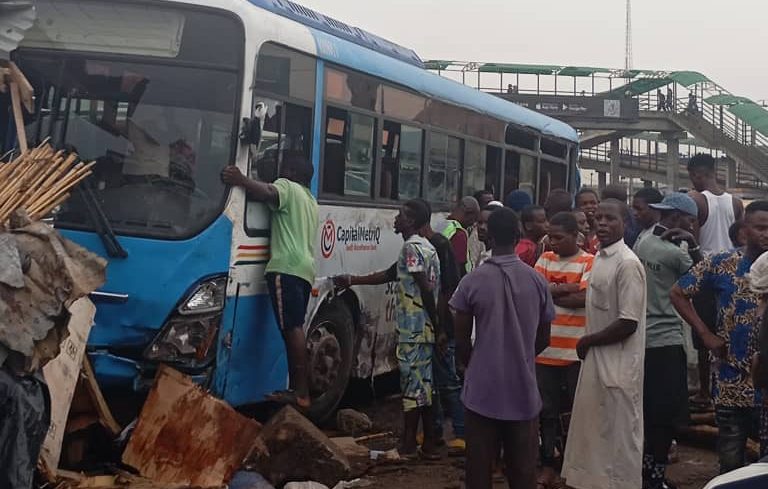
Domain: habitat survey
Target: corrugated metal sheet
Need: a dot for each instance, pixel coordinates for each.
(16, 17)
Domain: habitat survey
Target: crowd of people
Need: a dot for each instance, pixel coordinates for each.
(563, 326)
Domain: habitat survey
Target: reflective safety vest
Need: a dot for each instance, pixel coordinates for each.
(452, 227)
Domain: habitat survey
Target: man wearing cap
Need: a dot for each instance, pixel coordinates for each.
(668, 251)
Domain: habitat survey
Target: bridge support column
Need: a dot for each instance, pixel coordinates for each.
(730, 174)
(615, 160)
(673, 164)
(601, 181)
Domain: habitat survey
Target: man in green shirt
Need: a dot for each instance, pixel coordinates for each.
(291, 268)
(665, 403)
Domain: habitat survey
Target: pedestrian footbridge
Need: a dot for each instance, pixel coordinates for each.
(637, 126)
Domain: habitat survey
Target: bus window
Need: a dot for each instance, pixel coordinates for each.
(285, 73)
(521, 139)
(400, 161)
(287, 129)
(552, 176)
(474, 168)
(445, 155)
(292, 132)
(403, 105)
(519, 173)
(553, 148)
(349, 153)
(353, 89)
(492, 169)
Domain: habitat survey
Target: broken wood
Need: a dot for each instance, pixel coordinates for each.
(102, 409)
(377, 436)
(18, 117)
(186, 436)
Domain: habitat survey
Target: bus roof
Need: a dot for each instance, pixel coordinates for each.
(354, 48)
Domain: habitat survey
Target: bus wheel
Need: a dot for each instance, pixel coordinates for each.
(330, 346)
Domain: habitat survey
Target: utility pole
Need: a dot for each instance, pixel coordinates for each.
(628, 46)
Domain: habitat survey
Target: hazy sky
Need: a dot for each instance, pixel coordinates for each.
(726, 40)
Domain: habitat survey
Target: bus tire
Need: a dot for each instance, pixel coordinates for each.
(330, 351)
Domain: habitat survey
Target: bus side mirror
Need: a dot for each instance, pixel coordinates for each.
(250, 132)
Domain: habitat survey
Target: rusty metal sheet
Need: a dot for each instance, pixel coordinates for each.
(186, 436)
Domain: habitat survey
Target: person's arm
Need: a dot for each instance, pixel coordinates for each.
(428, 300)
(543, 336)
(701, 204)
(375, 278)
(618, 331)
(738, 208)
(258, 191)
(685, 309)
(678, 235)
(572, 300)
(546, 315)
(462, 324)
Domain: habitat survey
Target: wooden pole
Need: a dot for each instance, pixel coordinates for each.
(18, 117)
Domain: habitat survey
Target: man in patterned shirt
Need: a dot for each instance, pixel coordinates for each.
(735, 340)
(417, 273)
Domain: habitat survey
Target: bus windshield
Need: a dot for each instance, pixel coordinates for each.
(160, 127)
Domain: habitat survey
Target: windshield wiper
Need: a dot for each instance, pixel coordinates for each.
(100, 222)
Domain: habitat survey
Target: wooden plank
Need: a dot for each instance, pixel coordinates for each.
(102, 408)
(62, 374)
(186, 436)
(18, 117)
(26, 91)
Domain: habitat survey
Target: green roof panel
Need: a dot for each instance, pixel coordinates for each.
(753, 114)
(521, 69)
(582, 71)
(637, 87)
(688, 78)
(437, 64)
(727, 99)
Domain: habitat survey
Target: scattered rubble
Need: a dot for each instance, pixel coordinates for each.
(358, 455)
(289, 437)
(353, 423)
(186, 436)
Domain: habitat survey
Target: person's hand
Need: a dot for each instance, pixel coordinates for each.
(715, 344)
(231, 175)
(582, 347)
(342, 281)
(678, 235)
(442, 343)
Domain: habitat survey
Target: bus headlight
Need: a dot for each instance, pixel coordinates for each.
(207, 297)
(188, 339)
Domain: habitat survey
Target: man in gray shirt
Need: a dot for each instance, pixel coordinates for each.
(665, 401)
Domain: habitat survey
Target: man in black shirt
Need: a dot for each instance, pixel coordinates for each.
(446, 379)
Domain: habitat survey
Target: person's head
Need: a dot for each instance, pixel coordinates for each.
(534, 221)
(297, 168)
(701, 171)
(609, 221)
(503, 229)
(482, 222)
(738, 234)
(756, 222)
(517, 200)
(677, 211)
(641, 206)
(564, 234)
(413, 216)
(466, 211)
(615, 191)
(483, 198)
(581, 220)
(426, 229)
(558, 200)
(587, 201)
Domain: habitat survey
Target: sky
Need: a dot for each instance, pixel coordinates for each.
(725, 40)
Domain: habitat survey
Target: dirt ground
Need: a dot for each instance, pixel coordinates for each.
(692, 470)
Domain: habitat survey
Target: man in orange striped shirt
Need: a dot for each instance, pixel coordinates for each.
(567, 270)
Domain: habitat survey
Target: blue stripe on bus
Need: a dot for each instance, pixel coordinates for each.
(345, 53)
(255, 364)
(317, 139)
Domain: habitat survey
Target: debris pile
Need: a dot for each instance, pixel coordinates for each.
(39, 180)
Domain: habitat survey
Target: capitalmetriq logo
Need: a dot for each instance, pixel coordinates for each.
(328, 239)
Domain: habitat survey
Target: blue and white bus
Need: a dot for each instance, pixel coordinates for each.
(164, 94)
